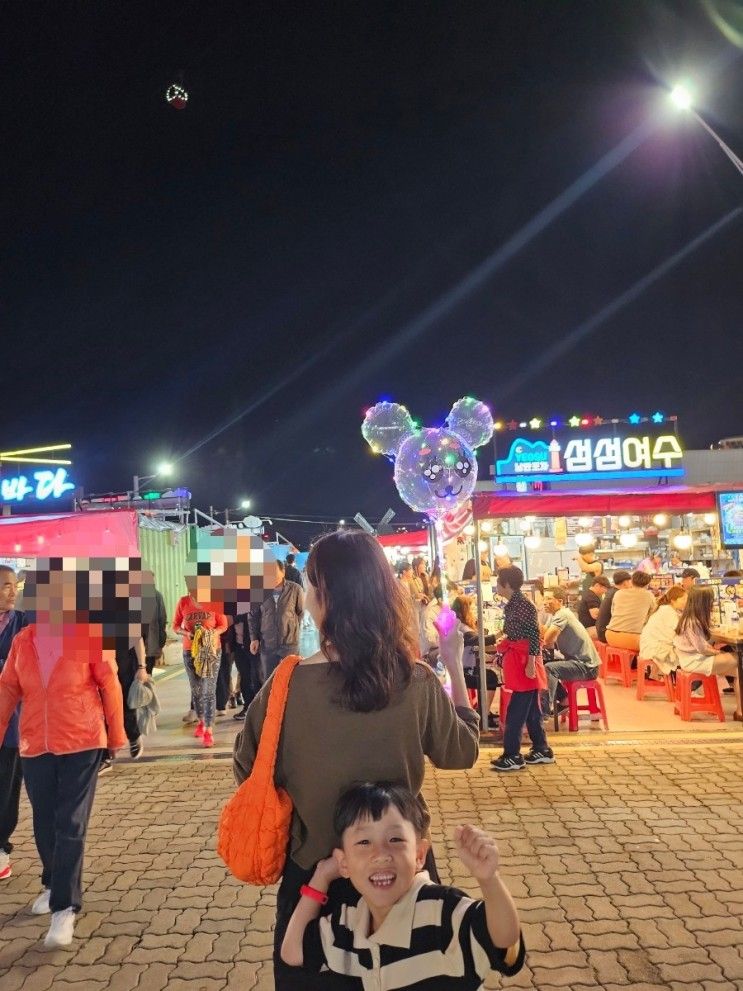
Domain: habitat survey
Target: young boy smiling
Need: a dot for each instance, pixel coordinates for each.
(395, 928)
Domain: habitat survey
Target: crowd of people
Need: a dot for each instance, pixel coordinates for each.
(360, 885)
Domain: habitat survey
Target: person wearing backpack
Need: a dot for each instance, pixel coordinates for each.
(361, 708)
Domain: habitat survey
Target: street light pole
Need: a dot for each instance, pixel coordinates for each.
(726, 148)
(682, 98)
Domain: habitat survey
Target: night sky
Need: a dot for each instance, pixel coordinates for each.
(294, 243)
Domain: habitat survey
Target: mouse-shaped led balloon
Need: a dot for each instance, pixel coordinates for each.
(435, 467)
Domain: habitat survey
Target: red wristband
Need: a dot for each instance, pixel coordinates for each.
(314, 894)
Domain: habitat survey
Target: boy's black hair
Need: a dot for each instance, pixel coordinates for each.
(370, 800)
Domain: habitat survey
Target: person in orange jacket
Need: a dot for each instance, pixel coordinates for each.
(71, 715)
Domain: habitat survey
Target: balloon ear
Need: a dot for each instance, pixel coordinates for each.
(472, 421)
(386, 426)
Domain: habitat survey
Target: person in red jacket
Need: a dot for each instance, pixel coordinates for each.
(190, 616)
(523, 674)
(71, 714)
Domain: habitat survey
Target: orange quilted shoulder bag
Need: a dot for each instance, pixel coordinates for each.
(255, 823)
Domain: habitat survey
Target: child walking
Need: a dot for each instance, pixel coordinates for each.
(392, 927)
(523, 675)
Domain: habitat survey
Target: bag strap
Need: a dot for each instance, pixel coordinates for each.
(268, 744)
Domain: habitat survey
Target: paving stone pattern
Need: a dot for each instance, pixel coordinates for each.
(626, 862)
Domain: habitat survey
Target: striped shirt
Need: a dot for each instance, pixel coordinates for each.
(434, 938)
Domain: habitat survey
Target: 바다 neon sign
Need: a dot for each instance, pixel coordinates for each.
(43, 485)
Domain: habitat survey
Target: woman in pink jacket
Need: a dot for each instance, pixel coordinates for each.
(71, 715)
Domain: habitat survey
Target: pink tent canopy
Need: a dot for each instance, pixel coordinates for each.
(101, 534)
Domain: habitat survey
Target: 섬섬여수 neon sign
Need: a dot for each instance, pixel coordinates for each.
(588, 458)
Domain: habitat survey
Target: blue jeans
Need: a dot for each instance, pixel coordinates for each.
(203, 691)
(523, 710)
(567, 670)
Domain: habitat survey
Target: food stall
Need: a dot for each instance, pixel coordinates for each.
(622, 487)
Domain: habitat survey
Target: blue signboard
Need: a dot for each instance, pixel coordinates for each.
(590, 456)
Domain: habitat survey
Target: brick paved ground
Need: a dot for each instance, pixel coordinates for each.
(626, 861)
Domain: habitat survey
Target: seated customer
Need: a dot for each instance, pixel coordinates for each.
(656, 639)
(464, 610)
(621, 579)
(689, 578)
(692, 645)
(590, 603)
(580, 660)
(630, 609)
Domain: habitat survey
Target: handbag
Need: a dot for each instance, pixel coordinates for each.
(255, 823)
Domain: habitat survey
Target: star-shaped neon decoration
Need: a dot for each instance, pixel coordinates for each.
(658, 418)
(512, 425)
(634, 418)
(574, 421)
(535, 424)
(597, 421)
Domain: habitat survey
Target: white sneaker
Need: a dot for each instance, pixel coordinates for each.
(62, 929)
(190, 717)
(41, 905)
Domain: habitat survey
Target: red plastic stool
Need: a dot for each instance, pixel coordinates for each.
(595, 699)
(710, 701)
(648, 686)
(618, 664)
(600, 650)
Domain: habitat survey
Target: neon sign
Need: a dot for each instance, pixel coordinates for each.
(45, 484)
(587, 458)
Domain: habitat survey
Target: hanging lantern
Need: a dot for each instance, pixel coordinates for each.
(628, 539)
(532, 541)
(682, 541)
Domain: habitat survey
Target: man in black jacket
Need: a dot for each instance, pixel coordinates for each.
(274, 624)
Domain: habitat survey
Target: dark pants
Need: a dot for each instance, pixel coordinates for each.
(223, 681)
(61, 790)
(523, 710)
(270, 659)
(151, 662)
(10, 794)
(250, 677)
(126, 668)
(294, 978)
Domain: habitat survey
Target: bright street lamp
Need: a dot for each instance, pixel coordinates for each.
(245, 504)
(682, 98)
(164, 468)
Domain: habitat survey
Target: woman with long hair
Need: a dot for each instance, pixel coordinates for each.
(692, 645)
(656, 638)
(463, 607)
(360, 709)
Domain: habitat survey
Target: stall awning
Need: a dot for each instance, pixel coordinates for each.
(102, 534)
(418, 538)
(667, 499)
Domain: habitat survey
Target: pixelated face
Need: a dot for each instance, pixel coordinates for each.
(107, 595)
(233, 570)
(435, 471)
